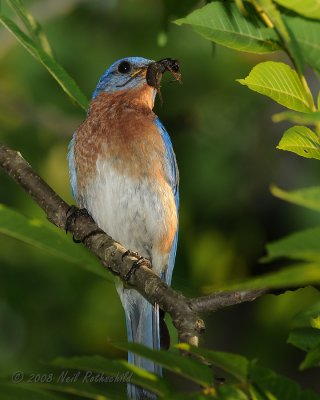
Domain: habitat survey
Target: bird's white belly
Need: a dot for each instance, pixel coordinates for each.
(131, 211)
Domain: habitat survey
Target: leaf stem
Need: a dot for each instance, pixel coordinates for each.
(284, 44)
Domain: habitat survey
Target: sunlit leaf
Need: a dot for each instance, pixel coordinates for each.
(280, 82)
(302, 141)
(41, 235)
(298, 117)
(55, 69)
(174, 362)
(223, 23)
(308, 8)
(307, 197)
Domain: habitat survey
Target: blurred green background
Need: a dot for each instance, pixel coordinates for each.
(225, 145)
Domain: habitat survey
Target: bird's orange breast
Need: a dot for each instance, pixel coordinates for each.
(120, 127)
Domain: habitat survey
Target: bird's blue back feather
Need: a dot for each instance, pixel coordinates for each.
(72, 167)
(174, 181)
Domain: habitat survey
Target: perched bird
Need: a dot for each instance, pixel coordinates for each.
(123, 171)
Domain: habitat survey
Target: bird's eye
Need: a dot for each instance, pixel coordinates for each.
(124, 67)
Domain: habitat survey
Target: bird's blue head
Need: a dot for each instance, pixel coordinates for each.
(132, 72)
(126, 73)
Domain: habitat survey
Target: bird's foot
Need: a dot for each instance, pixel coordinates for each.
(130, 253)
(72, 214)
(140, 261)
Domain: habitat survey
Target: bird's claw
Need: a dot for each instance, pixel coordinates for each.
(140, 261)
(130, 253)
(72, 214)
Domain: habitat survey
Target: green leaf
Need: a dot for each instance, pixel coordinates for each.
(302, 245)
(276, 387)
(55, 69)
(191, 369)
(275, 17)
(308, 8)
(297, 276)
(16, 391)
(306, 332)
(298, 117)
(309, 395)
(306, 33)
(308, 317)
(68, 382)
(281, 83)
(33, 26)
(272, 385)
(234, 364)
(208, 395)
(302, 141)
(262, 383)
(289, 44)
(80, 391)
(231, 392)
(241, 7)
(304, 338)
(312, 359)
(224, 24)
(307, 197)
(138, 376)
(42, 236)
(306, 335)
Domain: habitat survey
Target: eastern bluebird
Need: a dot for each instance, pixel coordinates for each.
(123, 171)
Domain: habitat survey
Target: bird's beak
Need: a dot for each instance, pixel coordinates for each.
(139, 72)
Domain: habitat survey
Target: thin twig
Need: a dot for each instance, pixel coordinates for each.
(218, 300)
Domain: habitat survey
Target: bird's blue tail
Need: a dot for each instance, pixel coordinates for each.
(142, 321)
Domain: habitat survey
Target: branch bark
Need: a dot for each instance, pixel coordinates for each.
(183, 311)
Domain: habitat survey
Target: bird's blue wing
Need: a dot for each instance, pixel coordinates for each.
(72, 167)
(172, 173)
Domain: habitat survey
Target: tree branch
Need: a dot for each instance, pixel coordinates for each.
(183, 311)
(218, 300)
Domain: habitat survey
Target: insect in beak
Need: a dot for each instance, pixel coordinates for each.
(156, 69)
